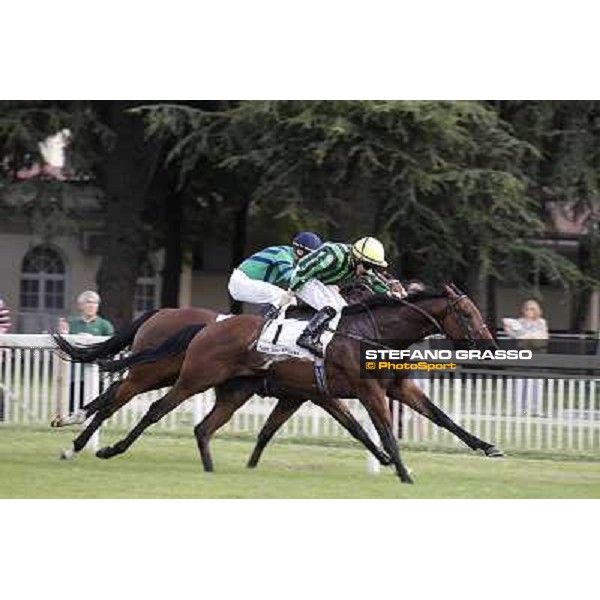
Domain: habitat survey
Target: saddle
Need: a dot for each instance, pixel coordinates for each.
(278, 336)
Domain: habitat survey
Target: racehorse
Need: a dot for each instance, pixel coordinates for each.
(223, 352)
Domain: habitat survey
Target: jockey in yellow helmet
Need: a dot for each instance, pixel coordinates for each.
(318, 276)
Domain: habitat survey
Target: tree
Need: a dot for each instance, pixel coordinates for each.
(125, 173)
(444, 184)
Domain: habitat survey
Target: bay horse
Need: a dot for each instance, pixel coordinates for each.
(224, 351)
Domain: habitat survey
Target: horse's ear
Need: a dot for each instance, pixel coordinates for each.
(456, 289)
(450, 290)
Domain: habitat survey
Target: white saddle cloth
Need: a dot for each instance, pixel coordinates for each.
(279, 337)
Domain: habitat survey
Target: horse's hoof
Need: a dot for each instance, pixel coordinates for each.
(105, 452)
(56, 422)
(493, 452)
(67, 454)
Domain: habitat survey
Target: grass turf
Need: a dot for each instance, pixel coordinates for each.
(166, 465)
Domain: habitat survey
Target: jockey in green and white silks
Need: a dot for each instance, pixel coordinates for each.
(317, 278)
(263, 277)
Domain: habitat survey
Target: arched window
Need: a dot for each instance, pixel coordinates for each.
(146, 290)
(43, 287)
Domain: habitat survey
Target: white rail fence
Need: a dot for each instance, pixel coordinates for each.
(535, 414)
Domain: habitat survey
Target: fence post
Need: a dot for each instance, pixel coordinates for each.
(63, 384)
(91, 390)
(373, 465)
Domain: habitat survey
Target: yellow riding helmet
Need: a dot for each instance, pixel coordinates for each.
(370, 250)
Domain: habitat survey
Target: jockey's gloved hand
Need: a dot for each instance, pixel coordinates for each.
(397, 288)
(398, 295)
(288, 297)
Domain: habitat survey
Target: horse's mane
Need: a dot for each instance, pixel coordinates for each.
(380, 300)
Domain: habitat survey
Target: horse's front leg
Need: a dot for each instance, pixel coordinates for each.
(373, 398)
(283, 411)
(229, 397)
(346, 419)
(408, 392)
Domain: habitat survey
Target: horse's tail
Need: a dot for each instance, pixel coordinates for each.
(92, 352)
(170, 347)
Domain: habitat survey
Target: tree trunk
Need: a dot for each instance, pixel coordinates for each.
(125, 176)
(171, 275)
(238, 244)
(491, 314)
(582, 295)
(476, 286)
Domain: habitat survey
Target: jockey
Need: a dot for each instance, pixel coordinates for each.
(316, 278)
(263, 277)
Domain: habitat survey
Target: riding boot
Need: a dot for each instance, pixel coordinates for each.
(269, 311)
(309, 338)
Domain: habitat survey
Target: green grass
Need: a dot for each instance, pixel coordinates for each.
(166, 465)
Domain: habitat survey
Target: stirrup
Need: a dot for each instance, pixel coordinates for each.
(269, 311)
(308, 343)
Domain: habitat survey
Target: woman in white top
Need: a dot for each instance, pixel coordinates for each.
(531, 330)
(530, 326)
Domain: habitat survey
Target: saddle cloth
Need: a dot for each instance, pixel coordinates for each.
(279, 337)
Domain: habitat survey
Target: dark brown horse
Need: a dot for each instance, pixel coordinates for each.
(223, 352)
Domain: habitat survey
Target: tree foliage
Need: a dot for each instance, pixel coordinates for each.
(455, 189)
(446, 185)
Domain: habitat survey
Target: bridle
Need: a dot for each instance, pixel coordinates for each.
(464, 325)
(452, 309)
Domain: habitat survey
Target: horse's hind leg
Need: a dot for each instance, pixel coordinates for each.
(83, 438)
(157, 411)
(407, 392)
(284, 409)
(119, 396)
(229, 397)
(85, 412)
(139, 379)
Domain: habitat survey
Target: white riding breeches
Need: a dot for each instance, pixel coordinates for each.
(246, 289)
(318, 295)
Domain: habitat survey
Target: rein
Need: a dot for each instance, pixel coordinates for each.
(450, 310)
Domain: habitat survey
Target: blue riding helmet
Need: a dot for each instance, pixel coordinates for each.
(307, 240)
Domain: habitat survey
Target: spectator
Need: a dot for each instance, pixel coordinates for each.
(87, 323)
(531, 331)
(5, 322)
